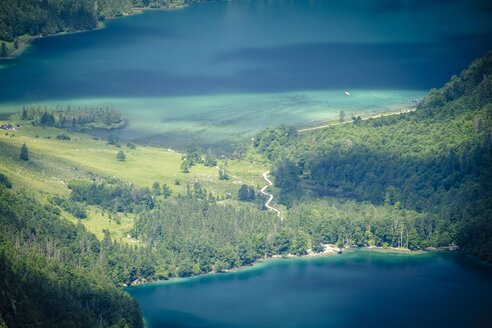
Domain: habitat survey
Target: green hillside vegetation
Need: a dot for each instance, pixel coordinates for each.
(91, 220)
(20, 17)
(55, 162)
(21, 20)
(435, 161)
(52, 272)
(77, 119)
(180, 223)
(70, 185)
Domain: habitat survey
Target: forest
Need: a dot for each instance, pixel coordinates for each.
(435, 161)
(20, 18)
(53, 272)
(196, 233)
(414, 181)
(73, 118)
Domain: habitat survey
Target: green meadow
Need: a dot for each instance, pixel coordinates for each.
(54, 163)
(220, 121)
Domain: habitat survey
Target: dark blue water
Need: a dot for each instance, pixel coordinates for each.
(226, 69)
(359, 288)
(258, 46)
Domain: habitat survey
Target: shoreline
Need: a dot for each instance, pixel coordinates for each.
(100, 25)
(365, 118)
(329, 251)
(140, 10)
(26, 44)
(244, 267)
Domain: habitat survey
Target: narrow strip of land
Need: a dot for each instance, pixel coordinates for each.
(270, 196)
(363, 119)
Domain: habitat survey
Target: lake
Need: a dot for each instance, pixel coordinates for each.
(361, 287)
(217, 72)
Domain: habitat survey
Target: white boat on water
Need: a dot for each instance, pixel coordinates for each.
(347, 93)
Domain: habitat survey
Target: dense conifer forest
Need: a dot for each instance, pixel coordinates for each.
(436, 162)
(75, 119)
(21, 18)
(415, 181)
(52, 272)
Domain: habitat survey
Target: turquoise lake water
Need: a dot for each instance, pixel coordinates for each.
(360, 288)
(215, 73)
(218, 72)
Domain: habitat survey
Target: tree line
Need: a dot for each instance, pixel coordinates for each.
(96, 117)
(20, 17)
(53, 273)
(31, 17)
(417, 180)
(436, 160)
(196, 233)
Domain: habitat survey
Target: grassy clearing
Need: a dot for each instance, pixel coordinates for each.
(97, 221)
(23, 41)
(53, 163)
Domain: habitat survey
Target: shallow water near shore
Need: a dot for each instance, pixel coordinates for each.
(222, 120)
(217, 72)
(372, 288)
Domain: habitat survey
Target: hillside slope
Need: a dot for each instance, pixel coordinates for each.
(52, 272)
(20, 20)
(436, 161)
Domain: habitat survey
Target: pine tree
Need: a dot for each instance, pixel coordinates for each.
(121, 156)
(210, 159)
(193, 154)
(166, 191)
(24, 113)
(24, 153)
(156, 189)
(44, 119)
(185, 167)
(243, 193)
(223, 175)
(3, 50)
(63, 121)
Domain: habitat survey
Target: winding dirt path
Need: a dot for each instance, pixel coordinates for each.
(270, 196)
